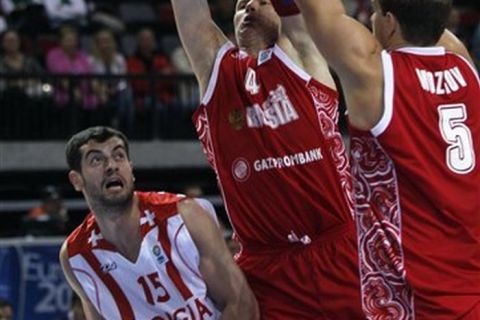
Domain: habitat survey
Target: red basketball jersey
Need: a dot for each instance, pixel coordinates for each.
(417, 189)
(270, 132)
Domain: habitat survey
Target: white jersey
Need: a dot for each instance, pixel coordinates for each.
(164, 283)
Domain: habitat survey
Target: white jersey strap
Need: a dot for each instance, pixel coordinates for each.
(388, 82)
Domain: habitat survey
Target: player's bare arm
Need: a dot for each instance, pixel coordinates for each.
(453, 44)
(200, 36)
(353, 52)
(226, 284)
(306, 53)
(90, 311)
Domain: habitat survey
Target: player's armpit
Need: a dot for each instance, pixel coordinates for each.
(226, 283)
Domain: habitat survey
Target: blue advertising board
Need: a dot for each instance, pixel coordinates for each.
(32, 279)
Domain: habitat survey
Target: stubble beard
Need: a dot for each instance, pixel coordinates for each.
(111, 206)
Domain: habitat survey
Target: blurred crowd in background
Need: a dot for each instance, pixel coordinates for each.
(133, 49)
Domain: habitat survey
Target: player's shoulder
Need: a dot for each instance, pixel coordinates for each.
(161, 204)
(77, 241)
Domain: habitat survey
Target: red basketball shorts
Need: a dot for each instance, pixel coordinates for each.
(315, 281)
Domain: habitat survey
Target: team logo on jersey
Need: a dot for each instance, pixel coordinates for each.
(251, 83)
(159, 255)
(241, 169)
(236, 118)
(264, 56)
(109, 266)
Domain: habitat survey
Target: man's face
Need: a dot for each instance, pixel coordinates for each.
(6, 313)
(11, 42)
(106, 176)
(255, 18)
(146, 41)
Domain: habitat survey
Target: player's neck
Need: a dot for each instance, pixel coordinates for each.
(254, 47)
(123, 230)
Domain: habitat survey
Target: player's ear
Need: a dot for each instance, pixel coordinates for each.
(392, 24)
(76, 180)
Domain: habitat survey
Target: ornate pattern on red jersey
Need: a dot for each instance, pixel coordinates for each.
(327, 110)
(163, 283)
(203, 129)
(385, 291)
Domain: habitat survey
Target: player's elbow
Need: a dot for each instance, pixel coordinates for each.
(244, 306)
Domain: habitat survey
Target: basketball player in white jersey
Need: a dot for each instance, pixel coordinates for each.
(145, 255)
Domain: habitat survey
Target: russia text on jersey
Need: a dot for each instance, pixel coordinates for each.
(276, 111)
(194, 309)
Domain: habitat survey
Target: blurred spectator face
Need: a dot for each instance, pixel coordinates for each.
(11, 42)
(105, 42)
(146, 41)
(69, 41)
(6, 313)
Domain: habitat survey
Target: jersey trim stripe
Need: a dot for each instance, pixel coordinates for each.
(216, 68)
(88, 275)
(389, 82)
(172, 271)
(423, 51)
(290, 64)
(123, 305)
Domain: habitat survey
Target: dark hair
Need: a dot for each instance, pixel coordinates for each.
(98, 134)
(422, 21)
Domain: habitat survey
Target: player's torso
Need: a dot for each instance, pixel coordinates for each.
(163, 283)
(421, 174)
(436, 119)
(276, 150)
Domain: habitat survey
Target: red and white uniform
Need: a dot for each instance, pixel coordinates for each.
(269, 131)
(417, 190)
(164, 282)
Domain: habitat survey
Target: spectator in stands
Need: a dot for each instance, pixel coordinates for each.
(149, 60)
(6, 310)
(66, 11)
(68, 59)
(27, 16)
(151, 95)
(49, 217)
(115, 94)
(13, 60)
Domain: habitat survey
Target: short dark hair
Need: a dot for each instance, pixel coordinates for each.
(422, 21)
(98, 134)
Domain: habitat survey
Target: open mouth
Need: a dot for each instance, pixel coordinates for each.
(114, 184)
(248, 21)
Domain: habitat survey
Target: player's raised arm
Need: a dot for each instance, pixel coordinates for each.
(90, 311)
(353, 52)
(343, 41)
(200, 36)
(306, 53)
(226, 284)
